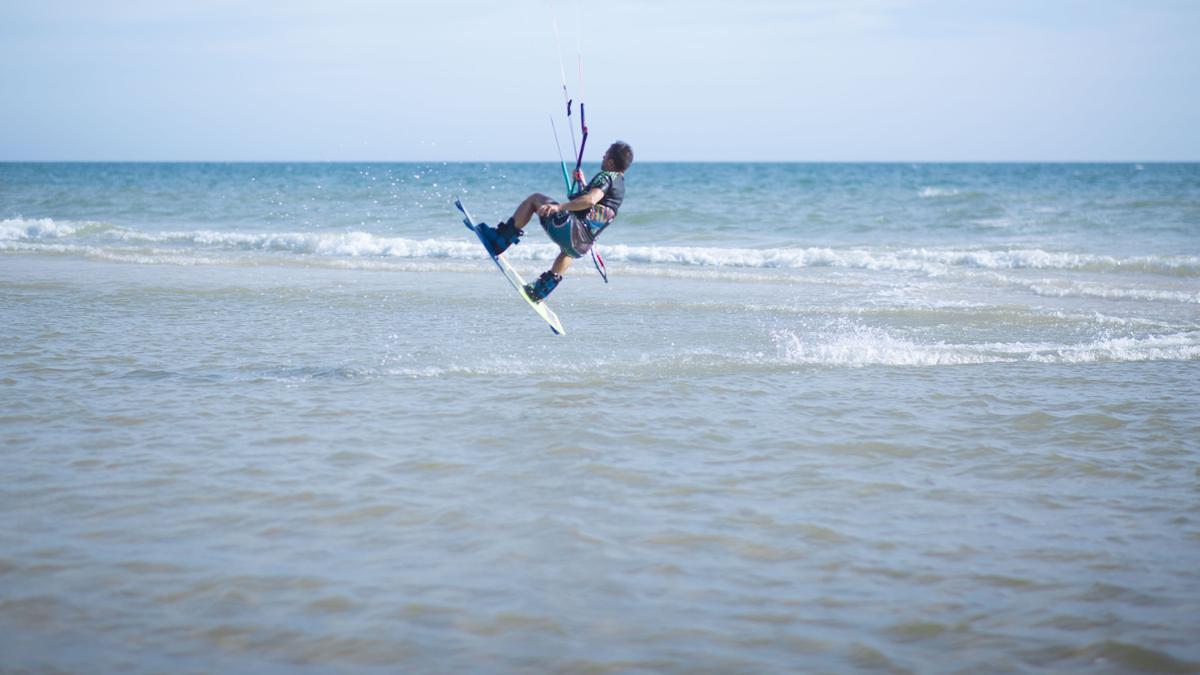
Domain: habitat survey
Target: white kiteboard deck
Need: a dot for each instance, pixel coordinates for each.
(511, 274)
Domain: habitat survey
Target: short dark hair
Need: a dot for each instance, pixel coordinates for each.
(621, 154)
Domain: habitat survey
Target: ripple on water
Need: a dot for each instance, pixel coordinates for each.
(505, 623)
(1111, 655)
(289, 439)
(915, 631)
(1004, 581)
(1095, 422)
(869, 658)
(1105, 593)
(361, 514)
(334, 604)
(353, 457)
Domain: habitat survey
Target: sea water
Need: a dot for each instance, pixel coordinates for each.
(843, 417)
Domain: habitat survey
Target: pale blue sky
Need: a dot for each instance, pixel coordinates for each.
(807, 80)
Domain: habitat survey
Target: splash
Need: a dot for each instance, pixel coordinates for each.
(846, 343)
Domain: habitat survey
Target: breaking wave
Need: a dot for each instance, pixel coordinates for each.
(858, 345)
(92, 238)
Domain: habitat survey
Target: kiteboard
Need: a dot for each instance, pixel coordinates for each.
(511, 274)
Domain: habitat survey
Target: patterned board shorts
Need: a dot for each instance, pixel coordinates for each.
(570, 233)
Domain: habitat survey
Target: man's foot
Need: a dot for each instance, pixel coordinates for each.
(546, 283)
(498, 239)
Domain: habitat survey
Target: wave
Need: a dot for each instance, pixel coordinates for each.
(931, 192)
(849, 347)
(30, 235)
(94, 238)
(904, 260)
(185, 258)
(44, 229)
(1067, 288)
(858, 345)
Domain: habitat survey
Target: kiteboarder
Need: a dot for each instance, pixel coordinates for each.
(574, 225)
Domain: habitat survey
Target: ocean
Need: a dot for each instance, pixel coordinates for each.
(288, 418)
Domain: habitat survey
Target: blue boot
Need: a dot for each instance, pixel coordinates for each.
(546, 283)
(499, 239)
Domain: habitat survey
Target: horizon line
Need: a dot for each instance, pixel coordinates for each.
(641, 162)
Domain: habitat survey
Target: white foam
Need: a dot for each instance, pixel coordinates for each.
(38, 229)
(135, 256)
(904, 260)
(185, 257)
(1175, 347)
(1054, 288)
(932, 262)
(931, 192)
(1098, 318)
(857, 345)
(995, 223)
(340, 244)
(863, 346)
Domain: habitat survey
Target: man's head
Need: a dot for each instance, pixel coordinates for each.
(618, 156)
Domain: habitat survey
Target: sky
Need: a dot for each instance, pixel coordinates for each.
(703, 80)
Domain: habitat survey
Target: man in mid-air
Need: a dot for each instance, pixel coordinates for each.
(575, 225)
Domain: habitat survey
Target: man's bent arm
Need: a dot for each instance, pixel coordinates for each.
(584, 201)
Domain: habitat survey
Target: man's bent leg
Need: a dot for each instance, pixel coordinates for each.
(528, 208)
(505, 234)
(561, 263)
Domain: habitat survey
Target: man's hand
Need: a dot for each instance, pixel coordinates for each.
(547, 210)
